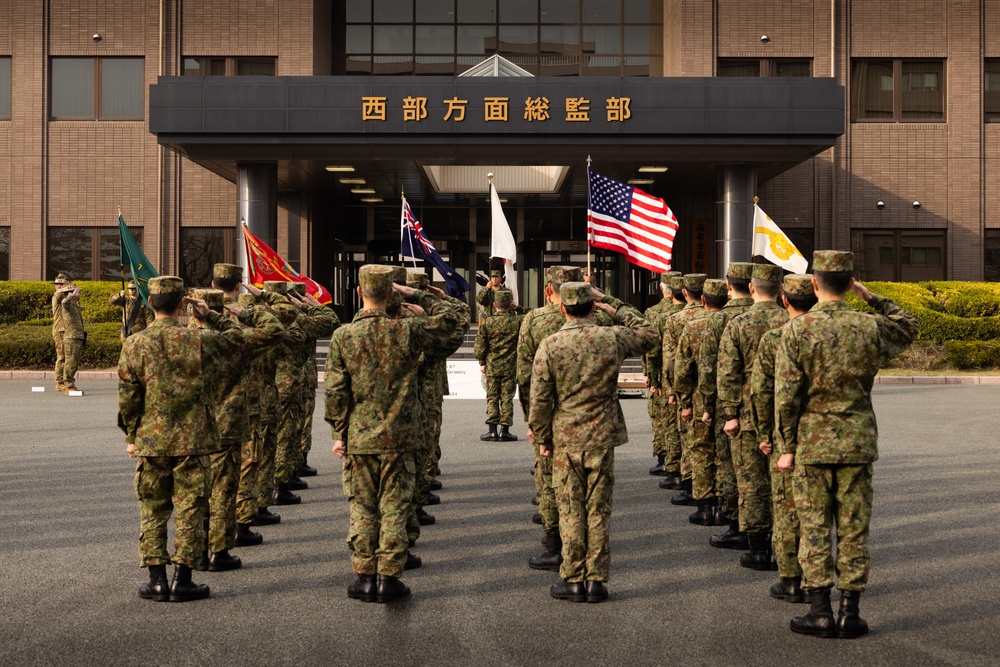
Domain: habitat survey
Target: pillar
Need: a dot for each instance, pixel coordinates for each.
(257, 203)
(737, 185)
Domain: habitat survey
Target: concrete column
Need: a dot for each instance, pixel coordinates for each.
(257, 203)
(736, 187)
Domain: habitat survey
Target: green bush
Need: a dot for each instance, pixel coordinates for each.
(24, 346)
(22, 301)
(977, 354)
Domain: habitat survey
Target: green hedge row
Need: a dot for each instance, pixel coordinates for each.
(25, 346)
(21, 302)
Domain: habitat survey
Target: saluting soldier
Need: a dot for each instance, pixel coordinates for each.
(137, 315)
(496, 351)
(487, 295)
(67, 332)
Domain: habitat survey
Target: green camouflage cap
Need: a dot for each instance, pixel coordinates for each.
(798, 283)
(676, 283)
(417, 279)
(399, 275)
(768, 272)
(377, 279)
(297, 288)
(61, 279)
(740, 270)
(165, 285)
(576, 293)
(504, 297)
(276, 286)
(667, 275)
(231, 271)
(695, 281)
(213, 297)
(247, 300)
(833, 260)
(563, 274)
(285, 312)
(715, 287)
(394, 302)
(495, 273)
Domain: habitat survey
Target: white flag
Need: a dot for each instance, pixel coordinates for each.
(502, 242)
(772, 244)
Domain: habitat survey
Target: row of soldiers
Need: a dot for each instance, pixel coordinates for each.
(762, 419)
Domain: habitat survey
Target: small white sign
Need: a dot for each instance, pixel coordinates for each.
(38, 390)
(75, 392)
(465, 380)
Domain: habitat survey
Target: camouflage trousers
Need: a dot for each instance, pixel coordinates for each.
(702, 459)
(584, 483)
(725, 475)
(500, 399)
(68, 352)
(421, 487)
(828, 497)
(436, 412)
(224, 472)
(654, 407)
(250, 455)
(178, 484)
(308, 407)
(265, 471)
(671, 437)
(753, 482)
(544, 492)
(686, 435)
(290, 420)
(379, 489)
(785, 531)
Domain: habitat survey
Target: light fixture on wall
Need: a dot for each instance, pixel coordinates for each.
(764, 39)
(880, 204)
(97, 37)
(916, 204)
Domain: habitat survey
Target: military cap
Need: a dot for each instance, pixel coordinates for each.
(394, 302)
(740, 270)
(576, 293)
(504, 297)
(564, 274)
(798, 283)
(676, 283)
(61, 279)
(417, 279)
(495, 273)
(399, 275)
(667, 275)
(213, 297)
(247, 300)
(231, 271)
(130, 285)
(695, 281)
(276, 286)
(165, 285)
(285, 312)
(768, 272)
(295, 287)
(377, 279)
(833, 260)
(715, 287)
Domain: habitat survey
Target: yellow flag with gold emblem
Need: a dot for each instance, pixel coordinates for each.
(772, 244)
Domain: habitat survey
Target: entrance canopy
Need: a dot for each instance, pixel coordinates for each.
(389, 134)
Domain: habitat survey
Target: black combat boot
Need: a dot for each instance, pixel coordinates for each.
(389, 589)
(506, 435)
(671, 481)
(306, 470)
(759, 556)
(413, 561)
(596, 591)
(731, 539)
(789, 589)
(202, 565)
(296, 484)
(552, 558)
(362, 588)
(425, 519)
(182, 589)
(819, 621)
(490, 435)
(221, 561)
(684, 497)
(265, 517)
(433, 498)
(658, 468)
(246, 537)
(705, 514)
(157, 589)
(537, 518)
(849, 623)
(282, 496)
(435, 485)
(569, 591)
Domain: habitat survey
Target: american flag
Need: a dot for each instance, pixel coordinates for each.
(629, 221)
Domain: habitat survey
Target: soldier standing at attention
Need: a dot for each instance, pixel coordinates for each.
(487, 295)
(165, 379)
(68, 332)
(136, 312)
(654, 373)
(823, 374)
(657, 402)
(798, 297)
(496, 350)
(577, 421)
(372, 406)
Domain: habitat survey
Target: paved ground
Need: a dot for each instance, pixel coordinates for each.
(68, 574)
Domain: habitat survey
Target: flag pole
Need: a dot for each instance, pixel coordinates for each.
(588, 216)
(755, 200)
(121, 256)
(489, 197)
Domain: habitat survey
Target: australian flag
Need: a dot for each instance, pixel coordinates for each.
(415, 244)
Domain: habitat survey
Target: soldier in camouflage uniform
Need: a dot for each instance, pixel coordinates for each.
(67, 332)
(372, 406)
(576, 419)
(738, 277)
(486, 296)
(737, 350)
(165, 379)
(825, 431)
(673, 326)
(657, 402)
(699, 444)
(137, 315)
(667, 423)
(798, 297)
(496, 351)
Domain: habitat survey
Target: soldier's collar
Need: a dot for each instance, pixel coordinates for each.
(370, 312)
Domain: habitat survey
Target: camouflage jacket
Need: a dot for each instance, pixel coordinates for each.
(574, 381)
(496, 344)
(708, 351)
(762, 384)
(372, 376)
(686, 370)
(166, 375)
(439, 357)
(127, 303)
(824, 369)
(67, 315)
(673, 327)
(652, 361)
(737, 349)
(323, 323)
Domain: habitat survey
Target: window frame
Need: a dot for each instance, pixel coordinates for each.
(898, 245)
(987, 118)
(6, 115)
(95, 250)
(231, 65)
(96, 112)
(766, 67)
(897, 91)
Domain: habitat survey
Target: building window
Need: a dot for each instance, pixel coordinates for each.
(4, 253)
(237, 66)
(97, 89)
(5, 88)
(899, 254)
(86, 253)
(991, 90)
(201, 249)
(764, 67)
(991, 255)
(545, 37)
(897, 91)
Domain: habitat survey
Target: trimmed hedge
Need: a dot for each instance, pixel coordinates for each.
(24, 301)
(972, 355)
(24, 346)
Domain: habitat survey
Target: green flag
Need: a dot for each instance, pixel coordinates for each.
(132, 257)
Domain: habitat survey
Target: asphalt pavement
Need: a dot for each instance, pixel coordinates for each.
(69, 569)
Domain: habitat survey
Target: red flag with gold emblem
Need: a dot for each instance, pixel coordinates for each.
(265, 264)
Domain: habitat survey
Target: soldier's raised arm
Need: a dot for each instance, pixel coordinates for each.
(897, 328)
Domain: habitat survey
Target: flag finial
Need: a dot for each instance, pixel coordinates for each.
(489, 177)
(588, 162)
(119, 209)
(243, 221)
(756, 199)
